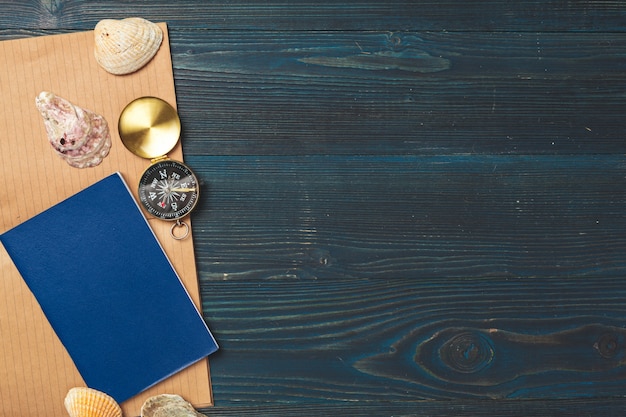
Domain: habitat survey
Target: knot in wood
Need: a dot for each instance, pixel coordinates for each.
(467, 352)
(608, 345)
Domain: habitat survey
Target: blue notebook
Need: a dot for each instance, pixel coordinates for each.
(109, 291)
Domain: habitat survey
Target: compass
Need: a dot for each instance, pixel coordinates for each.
(150, 127)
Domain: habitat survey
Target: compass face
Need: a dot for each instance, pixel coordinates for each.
(168, 190)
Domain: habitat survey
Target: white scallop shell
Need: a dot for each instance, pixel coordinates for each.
(124, 46)
(88, 402)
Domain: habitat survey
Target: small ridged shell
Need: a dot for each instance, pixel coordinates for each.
(168, 405)
(124, 46)
(88, 402)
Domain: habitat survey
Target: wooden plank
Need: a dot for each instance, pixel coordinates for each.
(403, 278)
(466, 408)
(336, 340)
(422, 93)
(284, 15)
(447, 216)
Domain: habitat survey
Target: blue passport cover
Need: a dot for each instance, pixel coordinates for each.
(109, 291)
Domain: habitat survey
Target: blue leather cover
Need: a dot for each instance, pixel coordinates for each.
(108, 290)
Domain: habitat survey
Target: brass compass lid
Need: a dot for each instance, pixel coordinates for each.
(149, 127)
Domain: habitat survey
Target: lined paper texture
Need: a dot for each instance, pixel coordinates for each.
(35, 370)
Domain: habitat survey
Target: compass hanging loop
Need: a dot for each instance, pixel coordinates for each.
(183, 233)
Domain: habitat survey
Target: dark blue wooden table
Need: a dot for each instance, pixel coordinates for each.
(413, 208)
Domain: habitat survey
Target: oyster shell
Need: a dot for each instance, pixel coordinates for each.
(124, 46)
(79, 136)
(88, 402)
(168, 405)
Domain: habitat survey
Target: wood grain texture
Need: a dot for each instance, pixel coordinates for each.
(398, 93)
(408, 208)
(567, 408)
(386, 217)
(404, 339)
(485, 277)
(285, 15)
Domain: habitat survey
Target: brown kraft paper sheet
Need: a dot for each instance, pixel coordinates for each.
(35, 370)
